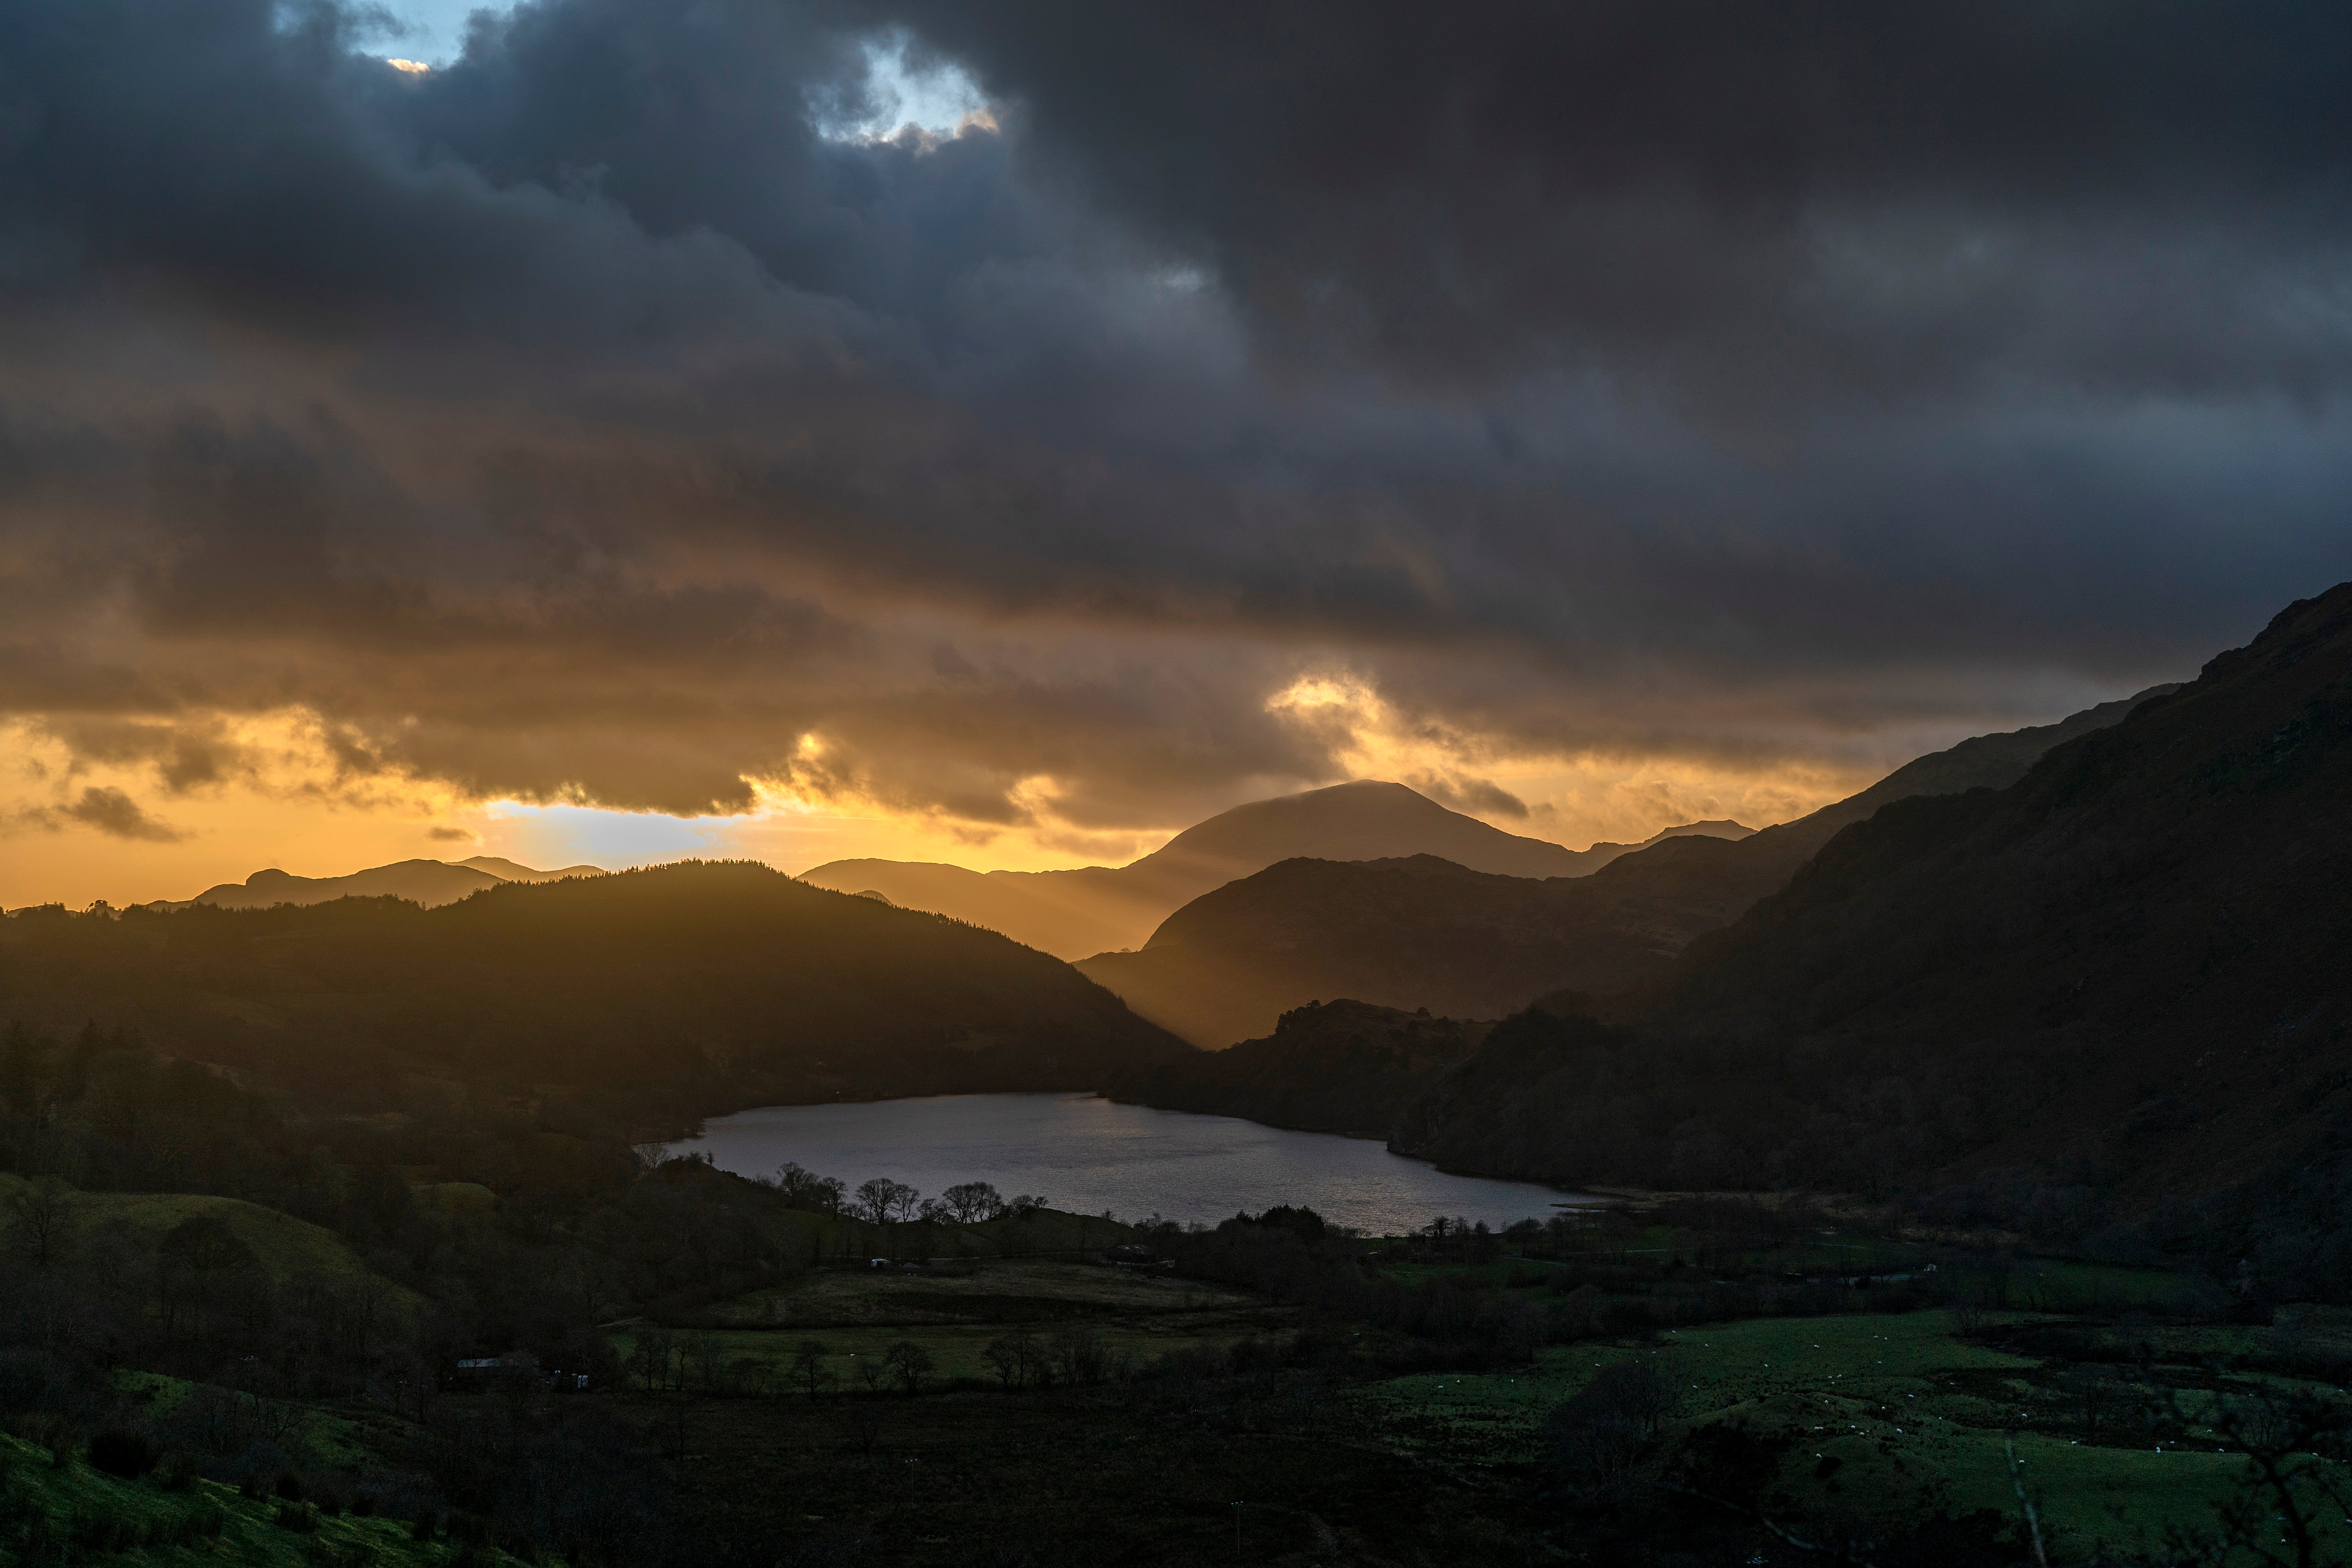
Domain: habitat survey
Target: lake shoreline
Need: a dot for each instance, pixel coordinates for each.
(1085, 1152)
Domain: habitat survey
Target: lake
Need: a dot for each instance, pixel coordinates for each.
(1085, 1155)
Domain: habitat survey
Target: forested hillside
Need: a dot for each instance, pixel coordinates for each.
(1330, 1066)
(2123, 979)
(648, 998)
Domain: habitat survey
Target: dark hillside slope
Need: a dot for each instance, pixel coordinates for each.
(1418, 933)
(656, 994)
(1980, 761)
(2131, 971)
(1423, 933)
(1331, 1067)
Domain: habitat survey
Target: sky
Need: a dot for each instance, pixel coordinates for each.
(1009, 434)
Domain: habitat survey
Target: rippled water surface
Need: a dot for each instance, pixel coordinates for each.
(1086, 1155)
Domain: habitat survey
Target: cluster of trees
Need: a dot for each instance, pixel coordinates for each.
(886, 1201)
(450, 1228)
(1074, 1355)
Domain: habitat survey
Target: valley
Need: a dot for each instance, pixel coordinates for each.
(1969, 1150)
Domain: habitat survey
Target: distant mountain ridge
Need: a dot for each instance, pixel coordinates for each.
(1094, 908)
(1414, 932)
(507, 870)
(427, 883)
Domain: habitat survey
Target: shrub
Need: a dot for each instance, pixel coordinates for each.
(301, 1517)
(105, 1534)
(120, 1451)
(57, 1434)
(1598, 1435)
(19, 1504)
(203, 1522)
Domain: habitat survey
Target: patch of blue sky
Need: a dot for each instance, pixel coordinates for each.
(430, 32)
(935, 96)
(551, 836)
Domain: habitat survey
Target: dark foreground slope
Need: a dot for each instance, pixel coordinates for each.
(2128, 971)
(1418, 932)
(1100, 907)
(1331, 1067)
(658, 994)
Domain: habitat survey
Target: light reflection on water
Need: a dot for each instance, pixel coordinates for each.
(1086, 1155)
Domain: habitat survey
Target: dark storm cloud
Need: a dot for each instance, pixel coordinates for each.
(1755, 202)
(102, 809)
(591, 420)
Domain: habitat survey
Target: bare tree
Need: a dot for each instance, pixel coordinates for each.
(804, 1188)
(809, 1369)
(864, 1424)
(911, 1363)
(973, 1201)
(41, 1221)
(1008, 1355)
(1078, 1354)
(882, 1200)
(2295, 1443)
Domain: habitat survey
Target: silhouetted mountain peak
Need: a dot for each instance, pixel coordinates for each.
(1723, 828)
(1366, 819)
(1099, 908)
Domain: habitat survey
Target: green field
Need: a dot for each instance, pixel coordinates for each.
(860, 1313)
(76, 1514)
(1917, 1419)
(286, 1248)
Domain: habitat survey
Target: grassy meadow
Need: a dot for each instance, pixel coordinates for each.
(2088, 1390)
(71, 1512)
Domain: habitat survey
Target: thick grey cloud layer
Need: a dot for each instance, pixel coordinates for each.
(582, 419)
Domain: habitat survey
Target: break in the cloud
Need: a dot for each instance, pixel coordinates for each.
(1645, 402)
